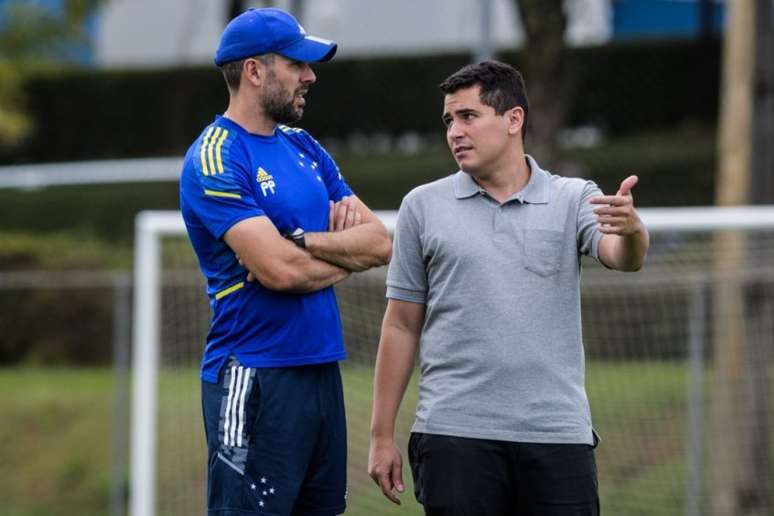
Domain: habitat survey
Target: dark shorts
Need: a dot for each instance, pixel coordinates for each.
(276, 439)
(455, 476)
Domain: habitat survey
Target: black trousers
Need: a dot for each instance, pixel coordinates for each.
(455, 476)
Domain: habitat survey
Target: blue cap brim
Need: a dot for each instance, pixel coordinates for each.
(310, 49)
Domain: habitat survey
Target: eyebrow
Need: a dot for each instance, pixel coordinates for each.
(464, 111)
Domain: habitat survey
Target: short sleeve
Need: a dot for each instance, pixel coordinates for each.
(215, 183)
(588, 232)
(407, 276)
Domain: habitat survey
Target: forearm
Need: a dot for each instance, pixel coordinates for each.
(296, 271)
(625, 252)
(277, 263)
(356, 249)
(394, 364)
(319, 275)
(304, 273)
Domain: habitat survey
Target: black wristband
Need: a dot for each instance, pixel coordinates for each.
(297, 236)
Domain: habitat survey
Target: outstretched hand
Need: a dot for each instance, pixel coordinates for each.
(616, 214)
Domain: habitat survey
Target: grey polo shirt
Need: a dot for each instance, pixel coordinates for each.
(501, 354)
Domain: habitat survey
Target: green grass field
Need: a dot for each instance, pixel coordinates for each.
(55, 440)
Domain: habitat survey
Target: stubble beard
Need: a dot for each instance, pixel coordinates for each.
(278, 105)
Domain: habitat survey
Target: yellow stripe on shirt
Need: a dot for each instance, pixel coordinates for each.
(215, 193)
(211, 147)
(233, 288)
(203, 151)
(217, 150)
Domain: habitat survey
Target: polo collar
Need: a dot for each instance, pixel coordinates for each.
(465, 186)
(535, 192)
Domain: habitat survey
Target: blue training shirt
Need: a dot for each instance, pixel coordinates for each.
(230, 175)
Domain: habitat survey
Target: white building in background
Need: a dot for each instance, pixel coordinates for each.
(160, 33)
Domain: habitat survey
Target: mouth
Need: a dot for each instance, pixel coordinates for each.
(460, 150)
(299, 99)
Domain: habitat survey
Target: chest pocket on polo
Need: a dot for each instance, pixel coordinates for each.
(543, 251)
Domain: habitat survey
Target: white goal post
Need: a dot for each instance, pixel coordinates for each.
(153, 226)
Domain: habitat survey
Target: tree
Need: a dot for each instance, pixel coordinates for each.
(32, 34)
(545, 72)
(739, 429)
(32, 31)
(14, 125)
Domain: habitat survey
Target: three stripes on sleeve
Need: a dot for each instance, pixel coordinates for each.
(210, 152)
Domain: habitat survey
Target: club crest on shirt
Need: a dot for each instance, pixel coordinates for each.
(266, 181)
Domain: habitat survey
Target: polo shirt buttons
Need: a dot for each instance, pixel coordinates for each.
(500, 225)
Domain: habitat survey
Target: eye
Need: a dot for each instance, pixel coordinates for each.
(468, 116)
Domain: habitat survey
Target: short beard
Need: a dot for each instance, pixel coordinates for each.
(276, 104)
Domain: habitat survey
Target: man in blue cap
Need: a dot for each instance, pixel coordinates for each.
(274, 226)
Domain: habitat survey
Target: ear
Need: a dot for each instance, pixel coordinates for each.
(515, 118)
(253, 71)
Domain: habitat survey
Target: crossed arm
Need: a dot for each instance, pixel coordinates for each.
(356, 241)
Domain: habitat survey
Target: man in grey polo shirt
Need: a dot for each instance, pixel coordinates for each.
(485, 282)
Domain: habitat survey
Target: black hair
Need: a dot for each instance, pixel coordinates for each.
(502, 86)
(232, 71)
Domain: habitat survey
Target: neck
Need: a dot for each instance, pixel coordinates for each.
(510, 176)
(247, 113)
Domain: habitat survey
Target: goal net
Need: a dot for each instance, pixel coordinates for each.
(679, 369)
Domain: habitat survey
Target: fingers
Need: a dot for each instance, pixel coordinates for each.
(331, 215)
(385, 483)
(627, 185)
(607, 220)
(250, 275)
(611, 200)
(343, 215)
(613, 230)
(622, 196)
(381, 478)
(613, 211)
(397, 476)
(350, 217)
(384, 468)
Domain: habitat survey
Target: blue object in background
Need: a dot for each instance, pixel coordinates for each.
(663, 18)
(76, 52)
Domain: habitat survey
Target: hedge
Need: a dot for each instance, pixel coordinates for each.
(89, 114)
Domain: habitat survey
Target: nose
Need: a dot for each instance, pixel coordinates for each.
(454, 131)
(308, 75)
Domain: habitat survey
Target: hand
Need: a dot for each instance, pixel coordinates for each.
(384, 467)
(343, 215)
(617, 215)
(250, 276)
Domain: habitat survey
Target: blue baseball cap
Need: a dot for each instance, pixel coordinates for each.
(262, 31)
